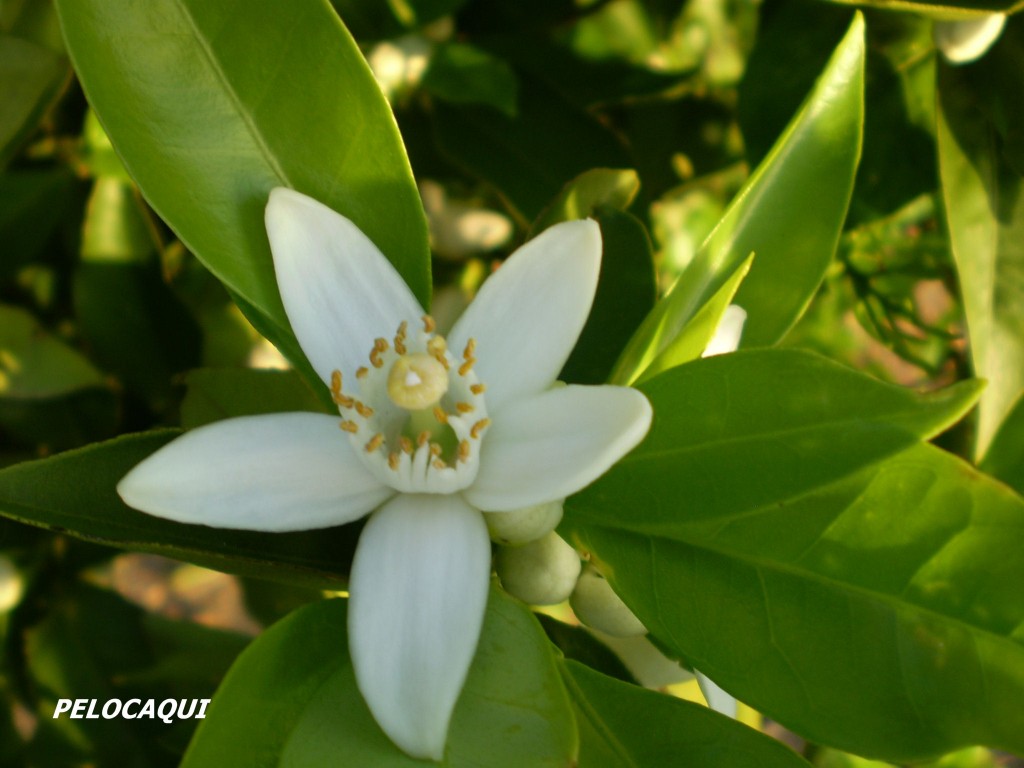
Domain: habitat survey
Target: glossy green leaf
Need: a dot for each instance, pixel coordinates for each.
(690, 342)
(624, 726)
(942, 9)
(228, 101)
(74, 493)
(30, 78)
(1005, 456)
(625, 294)
(790, 213)
(291, 700)
(791, 420)
(463, 74)
(220, 393)
(984, 196)
(881, 614)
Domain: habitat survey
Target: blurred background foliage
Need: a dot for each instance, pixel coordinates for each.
(501, 103)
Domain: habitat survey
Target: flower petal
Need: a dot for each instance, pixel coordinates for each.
(720, 701)
(338, 289)
(527, 316)
(278, 472)
(549, 446)
(419, 589)
(727, 334)
(962, 41)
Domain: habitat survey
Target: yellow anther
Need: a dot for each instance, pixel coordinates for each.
(349, 426)
(464, 450)
(343, 400)
(375, 442)
(438, 464)
(393, 460)
(440, 415)
(435, 449)
(428, 324)
(363, 410)
(467, 366)
(362, 372)
(422, 438)
(405, 443)
(442, 360)
(416, 382)
(336, 383)
(464, 408)
(467, 353)
(479, 427)
(477, 389)
(400, 338)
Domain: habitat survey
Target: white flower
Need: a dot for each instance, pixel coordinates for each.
(961, 41)
(433, 431)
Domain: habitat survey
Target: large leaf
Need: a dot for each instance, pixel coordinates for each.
(881, 614)
(30, 78)
(74, 493)
(790, 214)
(210, 105)
(291, 700)
(984, 196)
(1005, 456)
(625, 726)
(738, 431)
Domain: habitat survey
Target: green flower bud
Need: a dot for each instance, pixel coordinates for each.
(595, 604)
(542, 572)
(522, 526)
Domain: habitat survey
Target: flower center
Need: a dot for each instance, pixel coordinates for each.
(420, 417)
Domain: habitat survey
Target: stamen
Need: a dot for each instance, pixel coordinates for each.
(400, 338)
(464, 450)
(464, 408)
(375, 443)
(364, 410)
(349, 426)
(380, 346)
(336, 383)
(479, 427)
(438, 464)
(467, 366)
(406, 444)
(343, 400)
(440, 415)
(393, 460)
(467, 353)
(478, 389)
(428, 324)
(362, 372)
(435, 449)
(422, 438)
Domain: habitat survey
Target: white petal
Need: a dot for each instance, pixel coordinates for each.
(278, 472)
(338, 289)
(720, 701)
(966, 40)
(528, 315)
(727, 334)
(419, 589)
(554, 444)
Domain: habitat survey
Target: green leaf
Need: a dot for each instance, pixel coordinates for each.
(984, 196)
(291, 700)
(237, 100)
(30, 79)
(221, 393)
(690, 342)
(74, 493)
(587, 193)
(942, 9)
(624, 725)
(791, 420)
(32, 205)
(1005, 456)
(880, 614)
(625, 294)
(790, 213)
(34, 365)
(463, 74)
